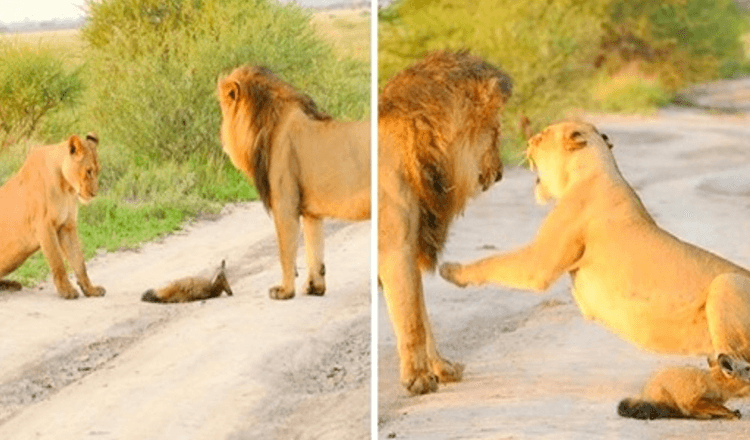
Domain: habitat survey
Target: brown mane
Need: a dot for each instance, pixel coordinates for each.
(266, 98)
(428, 94)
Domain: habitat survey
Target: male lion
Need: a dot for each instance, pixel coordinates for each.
(439, 144)
(304, 164)
(39, 209)
(640, 281)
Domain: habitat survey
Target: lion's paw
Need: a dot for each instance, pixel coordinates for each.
(315, 290)
(68, 293)
(278, 292)
(424, 383)
(447, 371)
(449, 272)
(95, 291)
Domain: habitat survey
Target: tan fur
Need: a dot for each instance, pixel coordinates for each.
(191, 289)
(304, 164)
(40, 208)
(439, 144)
(646, 285)
(689, 392)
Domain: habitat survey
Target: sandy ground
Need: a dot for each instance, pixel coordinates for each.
(534, 367)
(241, 367)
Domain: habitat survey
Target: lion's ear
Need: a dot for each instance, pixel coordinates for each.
(574, 140)
(230, 90)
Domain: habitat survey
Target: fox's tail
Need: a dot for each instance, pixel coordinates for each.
(150, 296)
(643, 410)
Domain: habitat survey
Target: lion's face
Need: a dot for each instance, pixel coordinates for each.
(80, 167)
(550, 153)
(236, 115)
(491, 166)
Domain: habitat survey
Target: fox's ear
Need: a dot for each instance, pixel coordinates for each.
(725, 362)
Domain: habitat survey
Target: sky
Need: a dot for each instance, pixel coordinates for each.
(14, 11)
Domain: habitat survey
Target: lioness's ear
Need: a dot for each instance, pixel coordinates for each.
(74, 146)
(574, 140)
(91, 136)
(606, 141)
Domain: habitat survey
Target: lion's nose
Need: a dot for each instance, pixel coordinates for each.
(499, 176)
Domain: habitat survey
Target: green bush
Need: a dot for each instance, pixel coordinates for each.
(154, 66)
(34, 83)
(558, 51)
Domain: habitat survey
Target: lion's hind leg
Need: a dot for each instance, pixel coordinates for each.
(316, 269)
(728, 314)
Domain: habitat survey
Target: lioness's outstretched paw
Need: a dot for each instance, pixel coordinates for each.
(278, 292)
(423, 383)
(94, 291)
(449, 271)
(447, 371)
(10, 285)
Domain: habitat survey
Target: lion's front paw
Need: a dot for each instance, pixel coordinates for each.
(449, 271)
(94, 291)
(421, 383)
(315, 290)
(278, 292)
(68, 292)
(447, 371)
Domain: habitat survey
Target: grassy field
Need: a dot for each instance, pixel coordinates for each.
(143, 199)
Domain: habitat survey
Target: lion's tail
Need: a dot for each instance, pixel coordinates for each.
(644, 410)
(150, 296)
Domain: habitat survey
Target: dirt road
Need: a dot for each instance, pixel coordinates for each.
(241, 367)
(534, 367)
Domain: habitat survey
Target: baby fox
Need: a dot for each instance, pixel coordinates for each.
(689, 392)
(190, 289)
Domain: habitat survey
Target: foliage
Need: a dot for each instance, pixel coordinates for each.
(34, 83)
(155, 65)
(568, 55)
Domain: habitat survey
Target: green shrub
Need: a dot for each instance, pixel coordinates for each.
(154, 66)
(562, 53)
(34, 83)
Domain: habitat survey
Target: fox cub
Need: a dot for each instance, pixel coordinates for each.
(190, 289)
(689, 392)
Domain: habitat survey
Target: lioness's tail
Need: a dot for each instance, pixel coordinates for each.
(643, 410)
(150, 296)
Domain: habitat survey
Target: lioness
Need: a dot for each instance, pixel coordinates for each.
(439, 144)
(191, 289)
(39, 208)
(689, 392)
(640, 281)
(304, 164)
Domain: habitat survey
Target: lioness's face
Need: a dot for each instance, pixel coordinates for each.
(81, 167)
(550, 151)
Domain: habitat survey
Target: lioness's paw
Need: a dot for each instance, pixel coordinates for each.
(278, 292)
(449, 271)
(447, 371)
(422, 383)
(95, 291)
